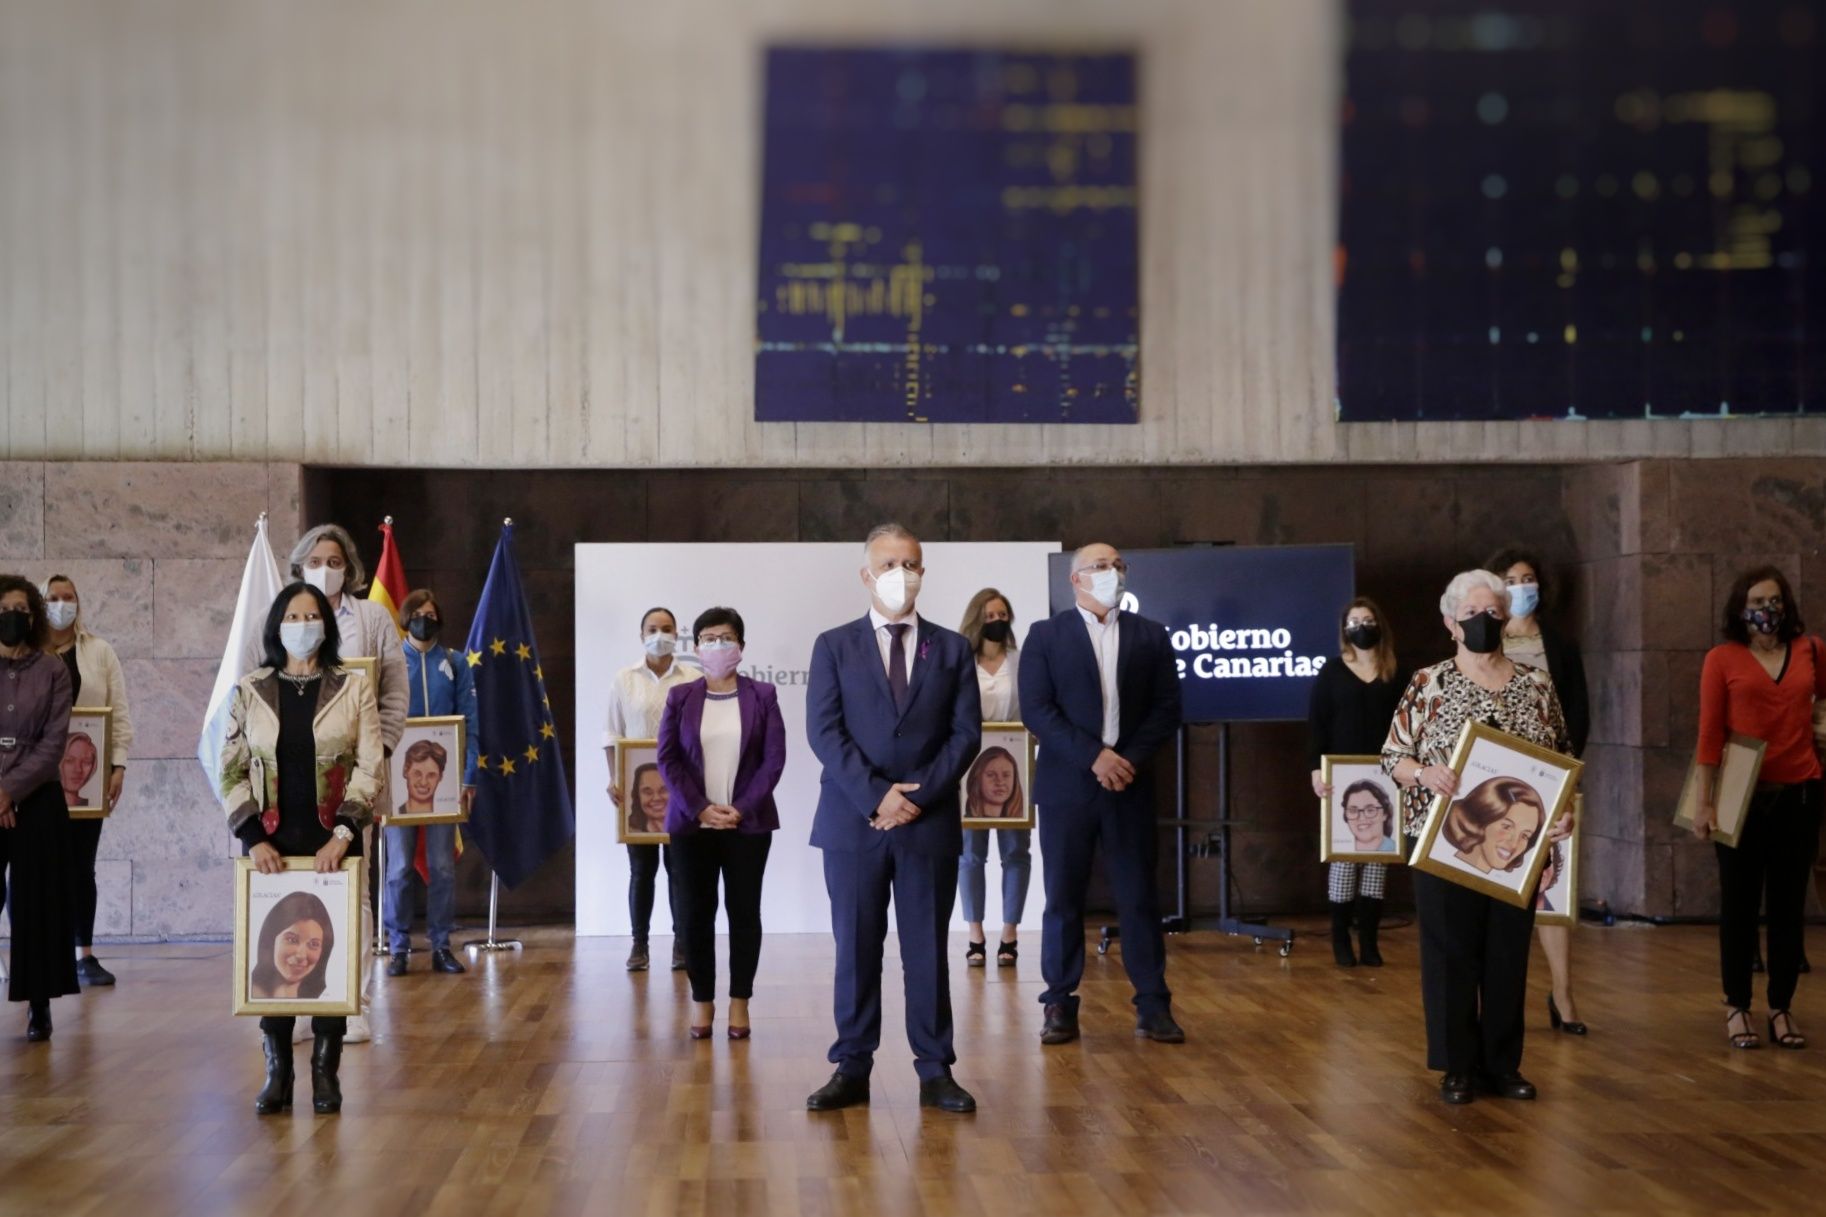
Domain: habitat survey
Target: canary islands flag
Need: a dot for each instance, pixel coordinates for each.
(522, 813)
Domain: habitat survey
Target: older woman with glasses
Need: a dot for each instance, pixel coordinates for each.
(1473, 948)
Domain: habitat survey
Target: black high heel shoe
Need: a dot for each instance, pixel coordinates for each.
(1790, 1038)
(38, 1022)
(1559, 1024)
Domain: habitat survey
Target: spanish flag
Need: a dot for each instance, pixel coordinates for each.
(389, 588)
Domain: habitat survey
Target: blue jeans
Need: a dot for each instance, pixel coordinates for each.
(440, 901)
(1016, 845)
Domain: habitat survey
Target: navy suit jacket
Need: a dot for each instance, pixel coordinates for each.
(865, 746)
(1062, 703)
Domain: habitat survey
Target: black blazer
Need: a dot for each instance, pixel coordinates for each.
(1062, 702)
(1566, 665)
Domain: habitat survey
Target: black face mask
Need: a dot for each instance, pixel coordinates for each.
(424, 628)
(15, 627)
(1364, 637)
(997, 631)
(1483, 634)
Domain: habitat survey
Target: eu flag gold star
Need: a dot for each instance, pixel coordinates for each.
(524, 652)
(481, 762)
(538, 673)
(498, 647)
(532, 754)
(546, 732)
(507, 767)
(474, 657)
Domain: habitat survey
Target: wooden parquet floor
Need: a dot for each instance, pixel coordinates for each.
(554, 1082)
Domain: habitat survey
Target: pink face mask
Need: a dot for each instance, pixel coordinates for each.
(719, 658)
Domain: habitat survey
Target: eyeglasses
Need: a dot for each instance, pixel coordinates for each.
(1363, 813)
(1103, 564)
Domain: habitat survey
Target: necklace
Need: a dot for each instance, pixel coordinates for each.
(301, 683)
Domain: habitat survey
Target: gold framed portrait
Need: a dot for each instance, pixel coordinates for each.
(1360, 821)
(1556, 900)
(298, 939)
(997, 790)
(425, 772)
(87, 760)
(641, 819)
(1491, 836)
(1739, 766)
(365, 665)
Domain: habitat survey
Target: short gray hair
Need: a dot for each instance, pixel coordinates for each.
(890, 529)
(357, 578)
(1462, 584)
(1078, 553)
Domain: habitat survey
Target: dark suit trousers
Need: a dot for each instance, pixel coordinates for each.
(1773, 857)
(1124, 823)
(923, 888)
(1473, 976)
(739, 860)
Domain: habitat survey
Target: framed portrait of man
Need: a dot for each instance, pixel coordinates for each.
(1358, 822)
(1556, 901)
(83, 771)
(642, 816)
(425, 777)
(998, 787)
(1491, 835)
(1738, 769)
(298, 939)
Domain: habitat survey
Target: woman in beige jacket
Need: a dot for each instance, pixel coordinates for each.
(95, 673)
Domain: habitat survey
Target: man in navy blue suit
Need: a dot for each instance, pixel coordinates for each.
(1100, 691)
(893, 715)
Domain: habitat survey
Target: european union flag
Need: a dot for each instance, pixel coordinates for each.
(522, 813)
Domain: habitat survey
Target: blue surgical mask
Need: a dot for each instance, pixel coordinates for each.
(1524, 598)
(301, 638)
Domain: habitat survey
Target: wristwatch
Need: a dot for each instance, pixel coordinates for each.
(343, 833)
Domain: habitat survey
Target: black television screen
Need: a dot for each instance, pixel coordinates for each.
(1250, 626)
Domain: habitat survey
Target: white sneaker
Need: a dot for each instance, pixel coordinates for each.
(358, 1032)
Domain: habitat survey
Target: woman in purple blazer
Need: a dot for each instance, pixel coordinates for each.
(722, 747)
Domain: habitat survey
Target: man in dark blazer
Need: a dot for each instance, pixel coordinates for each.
(893, 715)
(1100, 691)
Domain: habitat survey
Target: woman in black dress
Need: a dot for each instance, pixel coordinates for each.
(1353, 701)
(34, 819)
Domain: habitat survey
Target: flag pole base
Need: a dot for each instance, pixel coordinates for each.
(491, 943)
(381, 950)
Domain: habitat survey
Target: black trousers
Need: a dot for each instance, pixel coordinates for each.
(282, 1024)
(1473, 976)
(740, 860)
(84, 844)
(1773, 861)
(34, 877)
(644, 862)
(1069, 837)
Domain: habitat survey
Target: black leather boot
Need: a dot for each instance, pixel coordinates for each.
(276, 1095)
(326, 1088)
(1340, 936)
(38, 1022)
(1369, 920)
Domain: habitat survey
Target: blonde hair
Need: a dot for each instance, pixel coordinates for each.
(972, 627)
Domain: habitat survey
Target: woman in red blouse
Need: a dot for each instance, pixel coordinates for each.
(1762, 682)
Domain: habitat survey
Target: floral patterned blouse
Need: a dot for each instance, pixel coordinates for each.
(1438, 703)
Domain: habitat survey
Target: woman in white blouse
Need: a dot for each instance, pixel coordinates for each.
(989, 625)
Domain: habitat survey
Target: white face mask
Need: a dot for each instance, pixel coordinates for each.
(660, 644)
(897, 589)
(301, 638)
(1104, 586)
(326, 579)
(60, 613)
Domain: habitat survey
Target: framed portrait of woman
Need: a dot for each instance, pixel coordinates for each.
(998, 787)
(1357, 823)
(1739, 766)
(642, 818)
(1491, 835)
(298, 939)
(425, 777)
(83, 771)
(1556, 901)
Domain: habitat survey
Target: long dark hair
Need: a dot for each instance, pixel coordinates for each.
(1734, 628)
(296, 907)
(40, 637)
(328, 655)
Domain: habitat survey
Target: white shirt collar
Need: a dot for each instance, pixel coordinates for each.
(880, 622)
(653, 676)
(1090, 618)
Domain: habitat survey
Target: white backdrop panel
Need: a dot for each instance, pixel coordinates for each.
(787, 594)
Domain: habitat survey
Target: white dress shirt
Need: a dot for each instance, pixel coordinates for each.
(637, 700)
(1105, 643)
(1000, 689)
(720, 733)
(885, 639)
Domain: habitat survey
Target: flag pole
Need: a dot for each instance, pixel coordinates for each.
(491, 943)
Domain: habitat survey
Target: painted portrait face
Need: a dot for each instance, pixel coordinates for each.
(297, 950)
(1363, 815)
(1508, 838)
(998, 782)
(652, 796)
(422, 779)
(78, 764)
